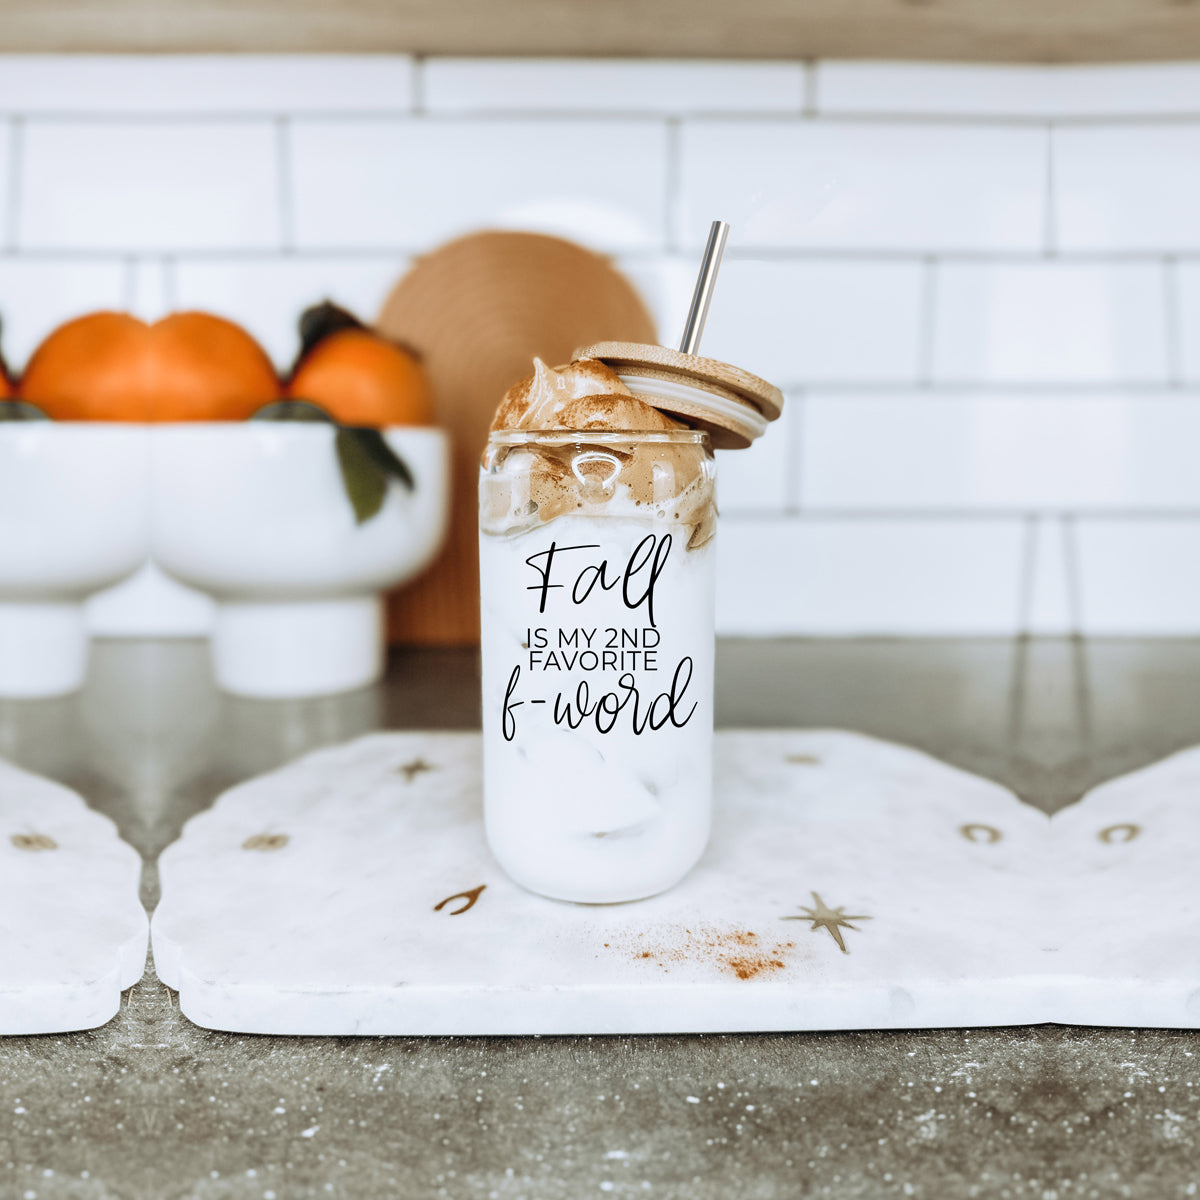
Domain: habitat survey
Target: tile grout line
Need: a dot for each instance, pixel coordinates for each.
(1013, 257)
(643, 254)
(771, 116)
(129, 270)
(902, 514)
(1050, 221)
(673, 232)
(16, 171)
(809, 96)
(807, 512)
(1069, 548)
(927, 345)
(1027, 581)
(905, 388)
(809, 108)
(170, 282)
(1172, 313)
(417, 99)
(285, 182)
(793, 480)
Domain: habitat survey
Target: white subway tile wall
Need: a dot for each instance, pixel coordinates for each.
(838, 577)
(147, 185)
(1138, 575)
(1051, 603)
(984, 450)
(149, 290)
(760, 480)
(413, 182)
(1056, 322)
(865, 185)
(1185, 286)
(37, 293)
(187, 84)
(820, 322)
(267, 294)
(1129, 187)
(942, 89)
(979, 285)
(977, 90)
(466, 85)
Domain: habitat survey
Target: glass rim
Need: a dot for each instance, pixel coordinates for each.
(597, 437)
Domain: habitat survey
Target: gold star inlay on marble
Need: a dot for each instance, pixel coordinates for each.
(834, 920)
(410, 770)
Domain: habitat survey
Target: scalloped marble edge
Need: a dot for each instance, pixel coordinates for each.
(74, 933)
(1128, 847)
(225, 979)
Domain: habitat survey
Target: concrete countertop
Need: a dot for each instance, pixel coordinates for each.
(151, 1107)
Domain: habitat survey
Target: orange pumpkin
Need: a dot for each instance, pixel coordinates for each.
(360, 378)
(93, 368)
(110, 366)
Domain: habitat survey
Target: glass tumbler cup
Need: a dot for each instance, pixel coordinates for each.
(597, 578)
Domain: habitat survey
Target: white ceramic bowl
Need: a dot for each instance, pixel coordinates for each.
(255, 514)
(74, 518)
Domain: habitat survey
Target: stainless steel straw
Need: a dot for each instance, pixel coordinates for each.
(705, 284)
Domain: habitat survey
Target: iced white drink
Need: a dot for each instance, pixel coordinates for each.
(597, 523)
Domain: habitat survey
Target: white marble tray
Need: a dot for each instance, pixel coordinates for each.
(1129, 917)
(73, 932)
(849, 884)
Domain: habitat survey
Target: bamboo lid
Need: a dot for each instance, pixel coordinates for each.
(734, 406)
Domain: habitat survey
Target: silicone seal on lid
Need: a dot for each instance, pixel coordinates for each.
(732, 405)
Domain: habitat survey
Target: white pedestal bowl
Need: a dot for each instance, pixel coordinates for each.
(257, 516)
(74, 518)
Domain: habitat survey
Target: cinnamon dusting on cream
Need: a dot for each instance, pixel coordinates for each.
(643, 478)
(583, 395)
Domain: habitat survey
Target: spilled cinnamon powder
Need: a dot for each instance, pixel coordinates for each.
(740, 953)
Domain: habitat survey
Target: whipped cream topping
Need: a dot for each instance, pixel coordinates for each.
(583, 395)
(528, 485)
